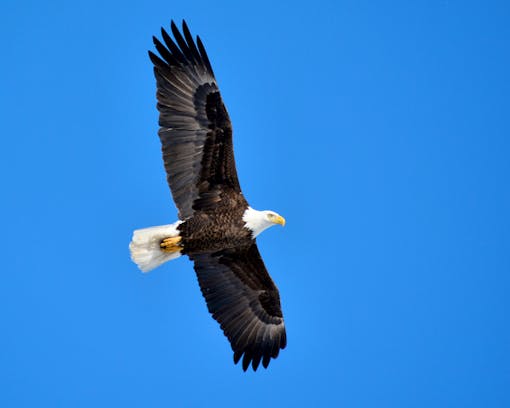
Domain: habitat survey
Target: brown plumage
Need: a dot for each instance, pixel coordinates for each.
(196, 138)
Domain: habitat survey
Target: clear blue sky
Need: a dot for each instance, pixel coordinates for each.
(380, 130)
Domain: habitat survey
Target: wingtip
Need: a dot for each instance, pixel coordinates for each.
(283, 343)
(237, 356)
(156, 61)
(185, 30)
(255, 362)
(152, 56)
(246, 361)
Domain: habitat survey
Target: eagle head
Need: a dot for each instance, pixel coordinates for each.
(258, 221)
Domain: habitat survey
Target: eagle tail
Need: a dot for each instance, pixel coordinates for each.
(153, 246)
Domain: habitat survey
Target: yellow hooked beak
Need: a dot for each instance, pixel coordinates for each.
(279, 220)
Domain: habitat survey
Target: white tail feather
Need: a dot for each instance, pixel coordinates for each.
(145, 246)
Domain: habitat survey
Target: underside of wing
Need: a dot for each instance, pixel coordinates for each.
(195, 129)
(242, 297)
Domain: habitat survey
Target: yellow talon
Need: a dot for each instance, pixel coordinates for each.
(170, 244)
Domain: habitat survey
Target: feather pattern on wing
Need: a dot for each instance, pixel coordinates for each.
(195, 129)
(242, 297)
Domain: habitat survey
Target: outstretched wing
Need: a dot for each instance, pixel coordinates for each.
(242, 297)
(195, 129)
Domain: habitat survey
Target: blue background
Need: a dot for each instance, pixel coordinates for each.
(378, 129)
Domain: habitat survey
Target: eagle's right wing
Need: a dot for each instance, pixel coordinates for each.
(242, 297)
(195, 129)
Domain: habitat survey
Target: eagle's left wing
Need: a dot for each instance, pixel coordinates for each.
(242, 297)
(195, 129)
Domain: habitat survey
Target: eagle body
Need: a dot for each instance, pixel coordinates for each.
(213, 232)
(217, 228)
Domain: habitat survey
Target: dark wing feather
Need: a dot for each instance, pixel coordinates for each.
(195, 129)
(242, 297)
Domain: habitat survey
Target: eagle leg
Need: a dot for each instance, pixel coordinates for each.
(171, 244)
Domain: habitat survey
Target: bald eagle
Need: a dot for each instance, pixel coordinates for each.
(217, 229)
